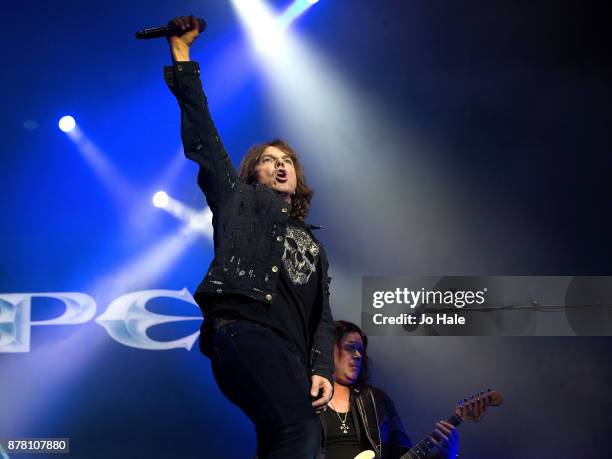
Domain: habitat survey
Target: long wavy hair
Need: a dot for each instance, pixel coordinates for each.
(344, 328)
(300, 201)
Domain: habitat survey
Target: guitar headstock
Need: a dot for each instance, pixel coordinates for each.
(473, 408)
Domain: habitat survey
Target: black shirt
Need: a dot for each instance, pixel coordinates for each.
(290, 315)
(298, 287)
(342, 442)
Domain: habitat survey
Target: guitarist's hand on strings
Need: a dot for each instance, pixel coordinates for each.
(447, 441)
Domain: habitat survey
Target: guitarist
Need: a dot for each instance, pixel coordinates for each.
(361, 417)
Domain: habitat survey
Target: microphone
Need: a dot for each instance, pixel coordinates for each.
(166, 31)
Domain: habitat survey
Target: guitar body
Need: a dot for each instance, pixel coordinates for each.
(367, 454)
(471, 409)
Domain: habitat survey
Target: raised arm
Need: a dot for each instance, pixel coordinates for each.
(217, 177)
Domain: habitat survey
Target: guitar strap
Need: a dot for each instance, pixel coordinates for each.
(379, 446)
(366, 406)
(355, 415)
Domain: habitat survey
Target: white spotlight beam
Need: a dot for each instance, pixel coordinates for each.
(262, 25)
(106, 171)
(358, 138)
(197, 221)
(294, 11)
(144, 270)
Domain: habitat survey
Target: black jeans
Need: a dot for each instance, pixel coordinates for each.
(256, 371)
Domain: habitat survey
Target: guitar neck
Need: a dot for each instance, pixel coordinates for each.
(469, 409)
(422, 448)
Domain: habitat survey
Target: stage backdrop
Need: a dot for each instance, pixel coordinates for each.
(440, 138)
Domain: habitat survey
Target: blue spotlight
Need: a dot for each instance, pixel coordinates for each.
(297, 8)
(67, 123)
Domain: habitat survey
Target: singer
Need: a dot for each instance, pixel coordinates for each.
(267, 328)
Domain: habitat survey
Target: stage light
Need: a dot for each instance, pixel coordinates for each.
(67, 123)
(260, 21)
(196, 221)
(297, 8)
(160, 199)
(108, 174)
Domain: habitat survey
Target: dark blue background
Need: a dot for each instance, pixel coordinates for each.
(508, 104)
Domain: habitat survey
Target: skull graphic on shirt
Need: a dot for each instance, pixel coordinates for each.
(300, 255)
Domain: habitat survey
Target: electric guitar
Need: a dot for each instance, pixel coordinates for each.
(469, 409)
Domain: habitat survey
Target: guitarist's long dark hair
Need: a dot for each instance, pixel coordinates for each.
(343, 328)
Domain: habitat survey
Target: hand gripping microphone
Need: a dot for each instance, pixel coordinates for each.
(169, 30)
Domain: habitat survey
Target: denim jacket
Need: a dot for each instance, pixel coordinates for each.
(249, 221)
